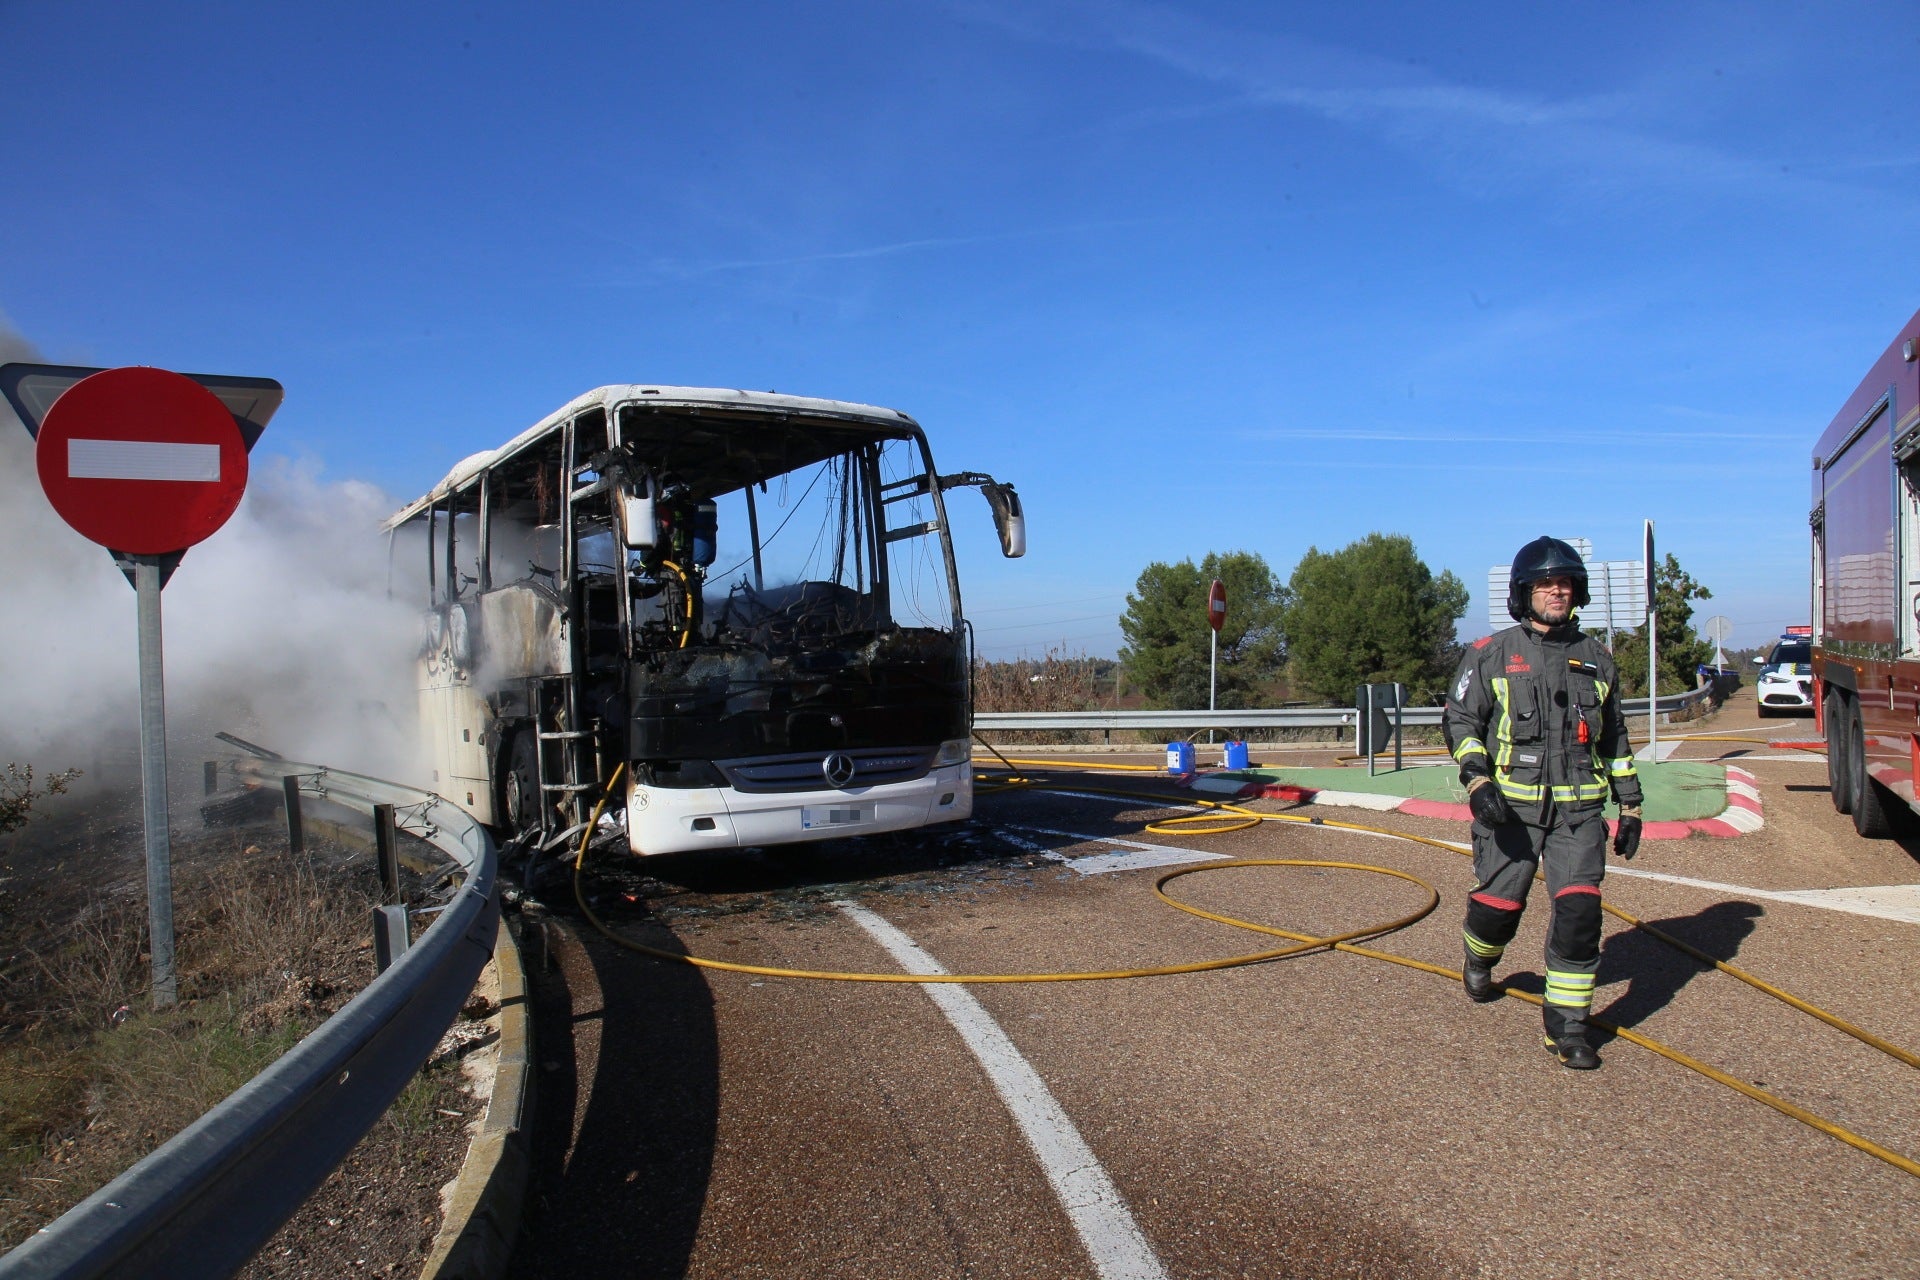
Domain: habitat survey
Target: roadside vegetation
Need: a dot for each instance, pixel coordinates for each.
(1371, 612)
(1680, 651)
(268, 945)
(18, 794)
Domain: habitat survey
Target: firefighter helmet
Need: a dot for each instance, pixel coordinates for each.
(1544, 558)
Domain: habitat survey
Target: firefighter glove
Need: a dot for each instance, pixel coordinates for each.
(1490, 808)
(1626, 837)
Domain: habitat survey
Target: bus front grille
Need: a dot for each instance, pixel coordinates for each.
(834, 770)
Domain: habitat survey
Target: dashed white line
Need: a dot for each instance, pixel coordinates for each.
(1093, 1204)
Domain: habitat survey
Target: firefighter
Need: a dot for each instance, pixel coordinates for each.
(1533, 720)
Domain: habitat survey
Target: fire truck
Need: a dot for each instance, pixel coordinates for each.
(1866, 592)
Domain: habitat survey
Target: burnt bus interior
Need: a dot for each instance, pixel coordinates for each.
(700, 592)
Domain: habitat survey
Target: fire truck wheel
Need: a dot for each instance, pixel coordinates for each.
(1839, 739)
(1869, 806)
(520, 782)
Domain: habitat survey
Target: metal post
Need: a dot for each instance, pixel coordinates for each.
(1653, 682)
(1213, 675)
(1653, 646)
(296, 833)
(1366, 730)
(384, 847)
(389, 936)
(209, 777)
(1399, 724)
(153, 781)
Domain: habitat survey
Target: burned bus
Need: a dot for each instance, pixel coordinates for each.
(747, 599)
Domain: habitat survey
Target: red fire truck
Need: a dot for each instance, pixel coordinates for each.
(1866, 591)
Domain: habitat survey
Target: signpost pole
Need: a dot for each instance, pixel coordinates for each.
(1216, 614)
(153, 779)
(1399, 724)
(1653, 651)
(1213, 675)
(1373, 743)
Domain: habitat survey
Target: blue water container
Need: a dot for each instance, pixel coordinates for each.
(1236, 755)
(1179, 757)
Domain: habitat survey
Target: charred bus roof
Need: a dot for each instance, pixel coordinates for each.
(716, 437)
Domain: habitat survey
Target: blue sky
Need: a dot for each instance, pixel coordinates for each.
(1194, 276)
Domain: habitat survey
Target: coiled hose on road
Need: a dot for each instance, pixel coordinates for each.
(1220, 817)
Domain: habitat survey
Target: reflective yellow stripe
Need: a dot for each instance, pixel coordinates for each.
(1503, 729)
(1622, 767)
(1469, 747)
(1520, 790)
(1603, 688)
(1570, 990)
(1485, 950)
(1595, 790)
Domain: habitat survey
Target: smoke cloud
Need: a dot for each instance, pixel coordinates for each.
(278, 628)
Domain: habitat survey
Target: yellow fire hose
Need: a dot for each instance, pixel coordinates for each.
(1230, 817)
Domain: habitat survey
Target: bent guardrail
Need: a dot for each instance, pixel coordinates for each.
(1261, 718)
(203, 1203)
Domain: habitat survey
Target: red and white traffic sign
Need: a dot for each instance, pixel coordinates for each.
(141, 460)
(1216, 604)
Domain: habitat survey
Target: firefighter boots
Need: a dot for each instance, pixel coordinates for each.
(1566, 1039)
(1476, 975)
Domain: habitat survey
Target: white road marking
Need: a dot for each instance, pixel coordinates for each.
(1094, 1205)
(141, 460)
(1886, 902)
(1133, 855)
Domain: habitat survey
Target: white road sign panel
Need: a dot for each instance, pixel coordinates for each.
(141, 460)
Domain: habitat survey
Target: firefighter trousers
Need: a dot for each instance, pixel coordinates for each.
(1571, 849)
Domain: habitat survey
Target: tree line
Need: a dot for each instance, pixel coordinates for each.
(1370, 612)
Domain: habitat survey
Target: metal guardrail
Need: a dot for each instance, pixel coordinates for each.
(1257, 718)
(203, 1203)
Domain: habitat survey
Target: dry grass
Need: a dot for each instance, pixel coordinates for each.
(1056, 682)
(91, 1079)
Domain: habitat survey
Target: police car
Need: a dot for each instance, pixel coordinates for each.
(1786, 674)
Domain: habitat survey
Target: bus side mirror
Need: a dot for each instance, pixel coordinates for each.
(639, 524)
(1007, 518)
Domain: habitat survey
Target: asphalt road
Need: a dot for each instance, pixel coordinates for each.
(1321, 1115)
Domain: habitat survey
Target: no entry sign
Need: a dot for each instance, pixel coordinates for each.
(141, 461)
(1216, 604)
(146, 463)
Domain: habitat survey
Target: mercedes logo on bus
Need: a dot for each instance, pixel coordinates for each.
(838, 769)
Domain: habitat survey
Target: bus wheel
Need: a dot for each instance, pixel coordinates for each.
(520, 782)
(1870, 817)
(1839, 738)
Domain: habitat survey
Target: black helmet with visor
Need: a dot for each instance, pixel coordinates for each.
(1544, 558)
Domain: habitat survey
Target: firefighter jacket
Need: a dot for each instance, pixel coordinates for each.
(1540, 714)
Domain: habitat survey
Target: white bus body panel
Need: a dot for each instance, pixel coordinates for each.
(679, 819)
(456, 718)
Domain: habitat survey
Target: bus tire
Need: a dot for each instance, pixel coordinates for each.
(1839, 736)
(1870, 816)
(520, 782)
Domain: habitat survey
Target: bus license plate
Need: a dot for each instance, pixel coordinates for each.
(851, 815)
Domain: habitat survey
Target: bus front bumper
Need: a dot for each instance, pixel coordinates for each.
(676, 820)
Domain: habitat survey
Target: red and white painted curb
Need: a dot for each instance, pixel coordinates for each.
(1741, 815)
